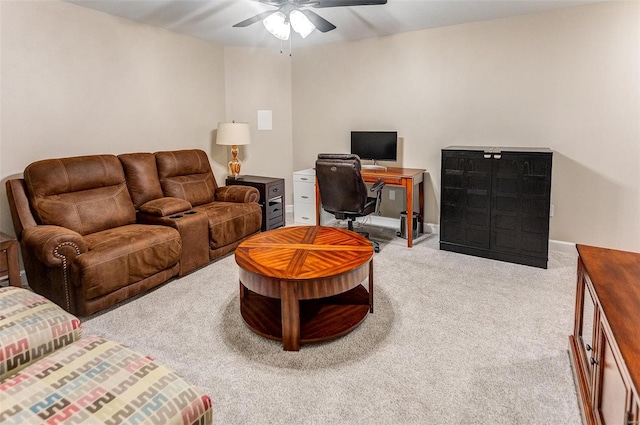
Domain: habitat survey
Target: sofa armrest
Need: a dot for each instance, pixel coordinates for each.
(19, 206)
(241, 194)
(162, 207)
(53, 246)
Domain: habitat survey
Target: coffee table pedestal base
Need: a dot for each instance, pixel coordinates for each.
(320, 319)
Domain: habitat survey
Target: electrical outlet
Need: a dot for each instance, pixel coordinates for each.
(392, 195)
(551, 210)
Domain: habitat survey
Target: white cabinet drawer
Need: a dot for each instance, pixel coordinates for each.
(304, 192)
(305, 177)
(305, 213)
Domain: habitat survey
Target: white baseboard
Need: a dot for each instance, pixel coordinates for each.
(562, 246)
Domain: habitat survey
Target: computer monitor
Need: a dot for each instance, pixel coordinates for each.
(375, 145)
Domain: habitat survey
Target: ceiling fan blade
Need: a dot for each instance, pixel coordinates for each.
(318, 21)
(255, 19)
(341, 3)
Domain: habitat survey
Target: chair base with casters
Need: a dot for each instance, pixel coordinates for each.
(343, 192)
(376, 244)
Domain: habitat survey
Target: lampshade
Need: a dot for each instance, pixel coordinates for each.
(233, 133)
(278, 25)
(300, 23)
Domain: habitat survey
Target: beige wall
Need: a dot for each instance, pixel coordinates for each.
(76, 81)
(568, 80)
(260, 79)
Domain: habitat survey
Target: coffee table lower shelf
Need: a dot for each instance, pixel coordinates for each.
(320, 319)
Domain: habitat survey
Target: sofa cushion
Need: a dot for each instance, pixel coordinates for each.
(31, 327)
(142, 177)
(96, 381)
(186, 174)
(125, 255)
(230, 222)
(86, 194)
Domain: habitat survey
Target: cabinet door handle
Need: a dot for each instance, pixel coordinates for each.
(497, 156)
(487, 155)
(304, 178)
(588, 347)
(593, 361)
(305, 218)
(304, 197)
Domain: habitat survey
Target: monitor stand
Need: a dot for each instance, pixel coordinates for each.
(374, 166)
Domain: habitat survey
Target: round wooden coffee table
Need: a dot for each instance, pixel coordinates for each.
(303, 284)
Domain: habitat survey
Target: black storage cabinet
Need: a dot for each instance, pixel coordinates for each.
(271, 198)
(495, 203)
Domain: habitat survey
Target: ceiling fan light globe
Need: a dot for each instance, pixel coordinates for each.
(277, 25)
(300, 23)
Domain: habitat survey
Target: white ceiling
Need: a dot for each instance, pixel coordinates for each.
(213, 19)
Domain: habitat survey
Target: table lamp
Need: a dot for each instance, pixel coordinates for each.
(233, 134)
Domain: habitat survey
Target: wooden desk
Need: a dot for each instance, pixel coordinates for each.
(406, 178)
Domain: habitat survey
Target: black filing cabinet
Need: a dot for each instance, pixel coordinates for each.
(495, 203)
(271, 198)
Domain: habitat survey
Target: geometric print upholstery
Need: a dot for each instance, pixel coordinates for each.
(96, 381)
(31, 327)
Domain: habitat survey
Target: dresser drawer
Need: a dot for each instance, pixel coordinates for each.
(274, 190)
(304, 178)
(305, 214)
(304, 192)
(274, 207)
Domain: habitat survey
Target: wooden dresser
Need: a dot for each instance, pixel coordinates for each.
(605, 345)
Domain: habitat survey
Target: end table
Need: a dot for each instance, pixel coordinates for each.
(271, 198)
(9, 264)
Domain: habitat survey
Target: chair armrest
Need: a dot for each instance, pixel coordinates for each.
(237, 193)
(162, 207)
(54, 246)
(377, 186)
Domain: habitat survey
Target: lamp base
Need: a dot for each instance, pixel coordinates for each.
(234, 164)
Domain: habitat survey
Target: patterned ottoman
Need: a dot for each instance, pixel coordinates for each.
(31, 327)
(94, 381)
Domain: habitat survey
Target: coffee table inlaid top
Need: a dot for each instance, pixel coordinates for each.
(303, 252)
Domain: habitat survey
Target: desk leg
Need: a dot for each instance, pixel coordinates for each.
(371, 286)
(421, 217)
(290, 310)
(318, 203)
(408, 187)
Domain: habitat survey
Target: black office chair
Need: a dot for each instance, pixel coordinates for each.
(343, 192)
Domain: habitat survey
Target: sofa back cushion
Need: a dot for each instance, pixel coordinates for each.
(142, 177)
(86, 194)
(186, 174)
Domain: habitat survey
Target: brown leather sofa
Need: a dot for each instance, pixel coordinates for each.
(95, 230)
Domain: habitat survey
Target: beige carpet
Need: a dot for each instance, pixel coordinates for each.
(454, 339)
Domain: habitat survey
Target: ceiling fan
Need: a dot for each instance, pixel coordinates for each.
(295, 13)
